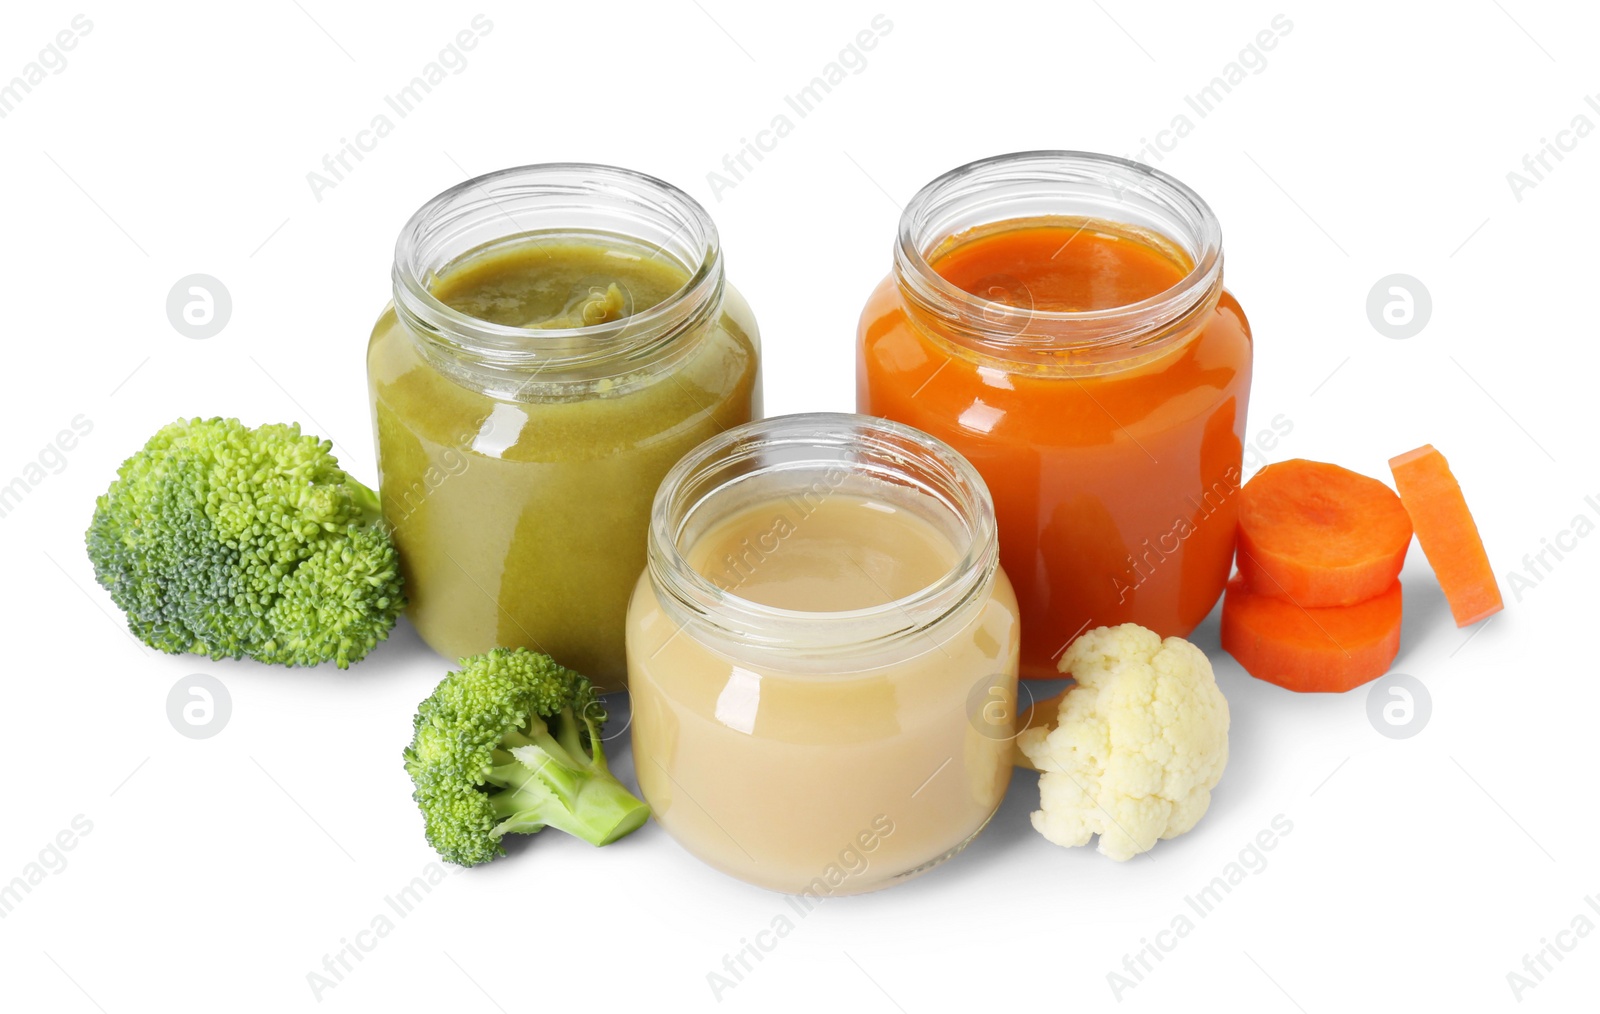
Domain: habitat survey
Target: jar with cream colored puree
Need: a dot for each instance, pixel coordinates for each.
(822, 653)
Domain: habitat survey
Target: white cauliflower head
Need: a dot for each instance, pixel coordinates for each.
(1137, 746)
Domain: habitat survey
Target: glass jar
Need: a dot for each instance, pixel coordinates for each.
(822, 655)
(518, 461)
(1085, 357)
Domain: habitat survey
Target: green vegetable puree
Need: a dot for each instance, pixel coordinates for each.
(520, 515)
(561, 282)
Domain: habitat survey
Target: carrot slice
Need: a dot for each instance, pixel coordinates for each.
(1448, 535)
(1320, 535)
(1327, 650)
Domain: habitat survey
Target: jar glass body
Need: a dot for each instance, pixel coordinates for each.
(518, 481)
(1112, 442)
(822, 753)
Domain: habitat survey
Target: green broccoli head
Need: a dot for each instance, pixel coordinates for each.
(510, 742)
(222, 540)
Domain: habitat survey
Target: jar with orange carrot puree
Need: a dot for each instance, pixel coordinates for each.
(1059, 318)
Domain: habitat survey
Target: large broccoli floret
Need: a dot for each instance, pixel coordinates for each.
(510, 742)
(222, 540)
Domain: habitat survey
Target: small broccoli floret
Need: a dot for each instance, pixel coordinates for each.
(510, 742)
(222, 540)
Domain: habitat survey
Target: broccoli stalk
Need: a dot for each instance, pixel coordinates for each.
(510, 742)
(547, 778)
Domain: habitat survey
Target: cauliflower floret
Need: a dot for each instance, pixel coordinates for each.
(1138, 744)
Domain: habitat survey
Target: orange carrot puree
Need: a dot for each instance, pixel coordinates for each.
(1114, 482)
(1062, 267)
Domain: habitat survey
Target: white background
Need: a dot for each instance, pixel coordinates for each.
(219, 872)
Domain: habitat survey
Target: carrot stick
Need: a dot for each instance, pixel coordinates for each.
(1448, 535)
(1323, 650)
(1320, 535)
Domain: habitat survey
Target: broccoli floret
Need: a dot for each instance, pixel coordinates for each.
(218, 539)
(510, 742)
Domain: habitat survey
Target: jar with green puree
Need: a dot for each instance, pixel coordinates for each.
(560, 336)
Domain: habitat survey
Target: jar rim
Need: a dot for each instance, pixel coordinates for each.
(1046, 175)
(865, 444)
(553, 352)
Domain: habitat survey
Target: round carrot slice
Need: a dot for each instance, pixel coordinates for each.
(1327, 650)
(1320, 535)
